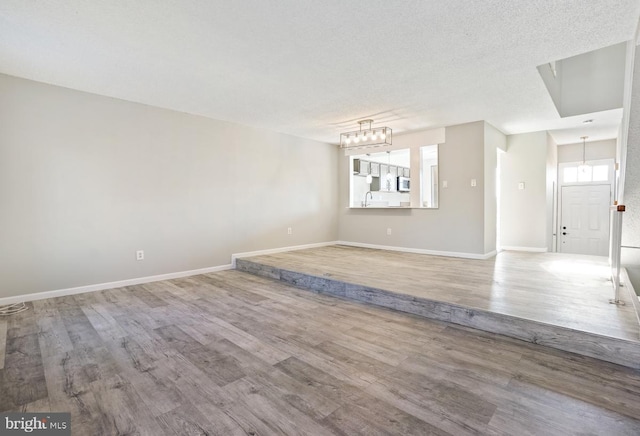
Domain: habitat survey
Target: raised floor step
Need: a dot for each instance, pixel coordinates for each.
(612, 349)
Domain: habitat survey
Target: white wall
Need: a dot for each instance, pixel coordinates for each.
(86, 180)
(551, 192)
(458, 225)
(523, 213)
(493, 140)
(631, 218)
(594, 150)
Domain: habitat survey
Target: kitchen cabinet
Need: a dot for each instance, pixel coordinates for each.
(382, 184)
(375, 169)
(378, 172)
(365, 168)
(361, 167)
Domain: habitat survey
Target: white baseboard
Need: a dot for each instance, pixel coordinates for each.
(421, 250)
(175, 275)
(489, 255)
(109, 285)
(278, 250)
(529, 249)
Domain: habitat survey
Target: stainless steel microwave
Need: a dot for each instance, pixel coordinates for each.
(404, 184)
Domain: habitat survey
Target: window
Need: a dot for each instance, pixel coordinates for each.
(585, 173)
(570, 175)
(600, 173)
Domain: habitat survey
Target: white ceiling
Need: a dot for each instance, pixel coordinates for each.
(312, 68)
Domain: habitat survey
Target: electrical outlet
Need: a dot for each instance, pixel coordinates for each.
(445, 184)
(289, 231)
(474, 182)
(140, 255)
(388, 230)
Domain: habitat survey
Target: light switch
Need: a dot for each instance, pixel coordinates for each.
(474, 182)
(445, 184)
(521, 186)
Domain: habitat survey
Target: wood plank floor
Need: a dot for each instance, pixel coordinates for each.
(566, 290)
(231, 353)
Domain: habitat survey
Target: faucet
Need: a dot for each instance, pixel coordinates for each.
(365, 197)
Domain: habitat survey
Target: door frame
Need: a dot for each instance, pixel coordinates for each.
(562, 183)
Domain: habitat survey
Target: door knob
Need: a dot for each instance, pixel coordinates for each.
(564, 233)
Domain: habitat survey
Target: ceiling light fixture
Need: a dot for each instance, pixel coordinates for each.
(584, 167)
(366, 136)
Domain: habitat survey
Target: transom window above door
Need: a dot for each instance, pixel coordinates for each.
(579, 173)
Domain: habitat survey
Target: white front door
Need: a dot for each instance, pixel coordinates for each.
(584, 220)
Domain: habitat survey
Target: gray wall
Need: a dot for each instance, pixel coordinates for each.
(631, 218)
(86, 180)
(587, 83)
(594, 81)
(459, 223)
(523, 213)
(594, 150)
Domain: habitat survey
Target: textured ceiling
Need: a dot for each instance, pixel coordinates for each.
(312, 68)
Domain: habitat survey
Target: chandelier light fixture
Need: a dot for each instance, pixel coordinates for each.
(366, 136)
